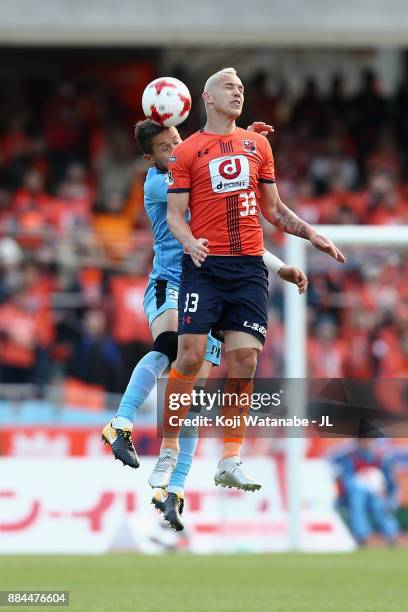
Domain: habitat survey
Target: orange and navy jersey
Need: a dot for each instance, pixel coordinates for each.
(222, 174)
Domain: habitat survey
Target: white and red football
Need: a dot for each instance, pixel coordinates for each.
(166, 101)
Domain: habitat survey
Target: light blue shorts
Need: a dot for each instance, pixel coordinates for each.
(162, 295)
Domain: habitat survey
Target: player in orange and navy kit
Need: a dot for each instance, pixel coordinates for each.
(225, 176)
(227, 215)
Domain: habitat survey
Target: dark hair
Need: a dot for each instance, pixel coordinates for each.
(145, 131)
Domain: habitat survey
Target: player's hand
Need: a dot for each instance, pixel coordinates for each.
(322, 243)
(294, 275)
(198, 250)
(260, 127)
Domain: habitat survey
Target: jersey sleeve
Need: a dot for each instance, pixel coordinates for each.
(179, 171)
(267, 171)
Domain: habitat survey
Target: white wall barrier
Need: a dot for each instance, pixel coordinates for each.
(93, 506)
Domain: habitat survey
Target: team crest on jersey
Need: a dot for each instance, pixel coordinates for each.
(249, 146)
(170, 178)
(229, 173)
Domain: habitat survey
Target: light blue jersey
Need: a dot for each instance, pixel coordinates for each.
(167, 250)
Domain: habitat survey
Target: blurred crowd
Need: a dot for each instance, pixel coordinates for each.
(75, 244)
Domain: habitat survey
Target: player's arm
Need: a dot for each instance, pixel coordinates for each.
(177, 205)
(291, 274)
(277, 213)
(178, 196)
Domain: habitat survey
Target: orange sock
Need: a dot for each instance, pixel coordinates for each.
(238, 406)
(231, 449)
(178, 385)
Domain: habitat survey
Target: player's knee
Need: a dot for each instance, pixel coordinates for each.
(242, 363)
(166, 343)
(189, 360)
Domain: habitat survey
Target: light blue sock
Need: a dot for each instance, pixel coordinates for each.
(188, 443)
(142, 381)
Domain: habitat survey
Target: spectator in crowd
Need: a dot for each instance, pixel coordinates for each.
(31, 206)
(115, 166)
(96, 357)
(337, 105)
(308, 110)
(400, 123)
(368, 491)
(383, 202)
(63, 128)
(261, 103)
(74, 196)
(327, 352)
(20, 337)
(11, 257)
(113, 226)
(369, 113)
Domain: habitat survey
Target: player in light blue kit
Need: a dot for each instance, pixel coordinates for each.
(160, 305)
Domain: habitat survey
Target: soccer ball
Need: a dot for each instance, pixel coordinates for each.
(166, 101)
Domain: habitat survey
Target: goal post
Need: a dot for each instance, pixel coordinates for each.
(295, 339)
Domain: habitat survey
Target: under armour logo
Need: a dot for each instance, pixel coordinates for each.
(187, 320)
(201, 153)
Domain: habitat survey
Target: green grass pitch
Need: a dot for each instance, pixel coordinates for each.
(364, 581)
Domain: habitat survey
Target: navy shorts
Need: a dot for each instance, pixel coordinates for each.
(226, 293)
(162, 295)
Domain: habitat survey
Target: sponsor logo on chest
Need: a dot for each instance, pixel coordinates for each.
(230, 173)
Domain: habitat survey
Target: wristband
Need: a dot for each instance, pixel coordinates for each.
(272, 262)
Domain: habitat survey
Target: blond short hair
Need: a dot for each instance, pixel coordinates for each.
(213, 79)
